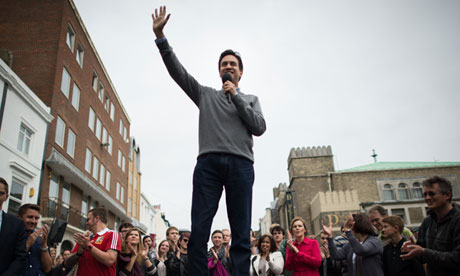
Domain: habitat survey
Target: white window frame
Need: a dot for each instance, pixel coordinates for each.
(119, 158)
(122, 195)
(65, 82)
(95, 168)
(80, 55)
(123, 163)
(24, 139)
(16, 200)
(104, 135)
(100, 92)
(107, 180)
(70, 38)
(95, 81)
(112, 111)
(75, 96)
(117, 195)
(91, 119)
(102, 175)
(71, 141)
(88, 160)
(110, 141)
(98, 128)
(60, 132)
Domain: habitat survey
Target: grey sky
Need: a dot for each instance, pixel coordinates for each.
(355, 75)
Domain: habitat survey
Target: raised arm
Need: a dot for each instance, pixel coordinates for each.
(159, 21)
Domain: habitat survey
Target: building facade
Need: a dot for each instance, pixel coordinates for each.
(154, 220)
(319, 193)
(87, 151)
(23, 129)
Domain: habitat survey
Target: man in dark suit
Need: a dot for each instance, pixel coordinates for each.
(13, 239)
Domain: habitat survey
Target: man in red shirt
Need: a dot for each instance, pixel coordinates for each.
(96, 253)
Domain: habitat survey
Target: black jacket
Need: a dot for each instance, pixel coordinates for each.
(393, 264)
(12, 245)
(442, 243)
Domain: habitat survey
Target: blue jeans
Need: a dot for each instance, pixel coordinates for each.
(213, 172)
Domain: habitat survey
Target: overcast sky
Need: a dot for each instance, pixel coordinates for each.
(356, 75)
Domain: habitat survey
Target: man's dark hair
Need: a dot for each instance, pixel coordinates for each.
(217, 231)
(272, 243)
(444, 185)
(363, 224)
(125, 225)
(278, 228)
(3, 181)
(23, 209)
(379, 209)
(100, 212)
(144, 238)
(232, 53)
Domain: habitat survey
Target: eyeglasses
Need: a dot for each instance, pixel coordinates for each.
(185, 240)
(431, 194)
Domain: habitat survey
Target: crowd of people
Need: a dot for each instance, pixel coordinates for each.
(371, 243)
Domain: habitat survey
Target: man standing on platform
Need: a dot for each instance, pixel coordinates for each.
(227, 122)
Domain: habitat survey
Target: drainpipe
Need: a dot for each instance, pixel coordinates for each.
(2, 106)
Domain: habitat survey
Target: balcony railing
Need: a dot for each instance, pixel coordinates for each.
(52, 207)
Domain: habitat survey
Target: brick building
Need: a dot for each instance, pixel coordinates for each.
(87, 150)
(317, 192)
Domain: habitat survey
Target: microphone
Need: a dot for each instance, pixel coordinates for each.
(227, 77)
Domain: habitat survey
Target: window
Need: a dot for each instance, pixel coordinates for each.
(107, 104)
(98, 128)
(417, 192)
(135, 183)
(121, 128)
(91, 119)
(109, 148)
(94, 81)
(70, 38)
(123, 163)
(66, 201)
(119, 158)
(134, 209)
(95, 168)
(88, 158)
(80, 55)
(65, 82)
(60, 132)
(129, 206)
(118, 191)
(403, 191)
(102, 175)
(54, 186)
(16, 196)
(71, 143)
(101, 92)
(76, 96)
(84, 206)
(104, 135)
(112, 111)
(122, 195)
(125, 134)
(388, 193)
(25, 136)
(400, 213)
(107, 181)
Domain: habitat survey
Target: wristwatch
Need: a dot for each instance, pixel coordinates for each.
(90, 246)
(44, 249)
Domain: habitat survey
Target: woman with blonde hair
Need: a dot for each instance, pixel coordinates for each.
(133, 259)
(303, 255)
(161, 260)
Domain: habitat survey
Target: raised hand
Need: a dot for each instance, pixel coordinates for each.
(327, 230)
(45, 232)
(214, 255)
(159, 21)
(131, 249)
(33, 237)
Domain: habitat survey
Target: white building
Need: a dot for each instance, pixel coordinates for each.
(24, 120)
(151, 217)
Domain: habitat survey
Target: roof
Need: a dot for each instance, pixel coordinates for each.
(381, 166)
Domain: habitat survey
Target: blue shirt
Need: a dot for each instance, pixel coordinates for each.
(34, 265)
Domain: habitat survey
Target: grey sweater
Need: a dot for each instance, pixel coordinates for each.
(371, 251)
(223, 127)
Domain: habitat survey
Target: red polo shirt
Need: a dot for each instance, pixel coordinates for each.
(104, 240)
